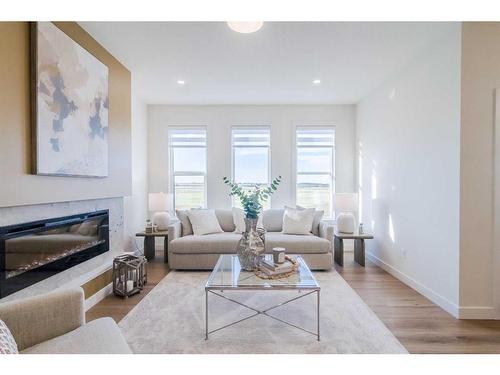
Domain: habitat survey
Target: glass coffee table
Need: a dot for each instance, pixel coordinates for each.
(228, 276)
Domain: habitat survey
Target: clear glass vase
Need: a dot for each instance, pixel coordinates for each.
(251, 246)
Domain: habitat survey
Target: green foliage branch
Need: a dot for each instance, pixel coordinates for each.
(252, 200)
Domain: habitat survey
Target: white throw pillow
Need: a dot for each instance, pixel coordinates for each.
(297, 221)
(239, 220)
(204, 222)
(318, 216)
(7, 342)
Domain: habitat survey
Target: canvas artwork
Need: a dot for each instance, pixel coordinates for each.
(71, 113)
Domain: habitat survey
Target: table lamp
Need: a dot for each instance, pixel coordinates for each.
(160, 204)
(345, 205)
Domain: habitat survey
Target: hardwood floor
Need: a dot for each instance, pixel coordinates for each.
(420, 325)
(117, 307)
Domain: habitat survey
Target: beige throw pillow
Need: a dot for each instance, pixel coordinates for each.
(204, 222)
(297, 221)
(7, 343)
(186, 226)
(272, 219)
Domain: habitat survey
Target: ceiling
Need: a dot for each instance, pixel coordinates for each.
(275, 65)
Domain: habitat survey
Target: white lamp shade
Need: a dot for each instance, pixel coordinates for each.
(160, 201)
(245, 27)
(346, 202)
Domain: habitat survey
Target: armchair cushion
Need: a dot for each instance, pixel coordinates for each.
(100, 336)
(41, 318)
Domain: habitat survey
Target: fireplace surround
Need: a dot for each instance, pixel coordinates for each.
(31, 252)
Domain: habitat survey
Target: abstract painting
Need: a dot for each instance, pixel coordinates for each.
(70, 99)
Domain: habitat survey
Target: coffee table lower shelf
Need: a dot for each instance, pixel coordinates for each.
(302, 293)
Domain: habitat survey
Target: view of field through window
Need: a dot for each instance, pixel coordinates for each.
(251, 158)
(315, 165)
(315, 168)
(188, 153)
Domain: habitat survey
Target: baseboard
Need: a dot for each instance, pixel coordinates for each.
(439, 300)
(477, 312)
(98, 296)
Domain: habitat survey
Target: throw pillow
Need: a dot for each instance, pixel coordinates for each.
(239, 220)
(297, 221)
(186, 227)
(7, 343)
(318, 216)
(273, 219)
(204, 222)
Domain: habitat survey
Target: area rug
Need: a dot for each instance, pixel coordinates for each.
(171, 319)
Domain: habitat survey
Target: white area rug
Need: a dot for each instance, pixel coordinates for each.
(171, 319)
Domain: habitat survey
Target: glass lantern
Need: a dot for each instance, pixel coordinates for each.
(129, 275)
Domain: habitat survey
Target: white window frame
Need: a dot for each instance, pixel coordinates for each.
(267, 127)
(172, 174)
(313, 125)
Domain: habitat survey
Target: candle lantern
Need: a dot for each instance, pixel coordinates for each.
(129, 275)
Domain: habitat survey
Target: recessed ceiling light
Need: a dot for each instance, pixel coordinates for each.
(181, 82)
(245, 27)
(317, 82)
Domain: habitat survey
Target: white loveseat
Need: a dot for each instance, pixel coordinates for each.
(192, 252)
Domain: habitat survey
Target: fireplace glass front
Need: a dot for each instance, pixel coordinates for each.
(31, 252)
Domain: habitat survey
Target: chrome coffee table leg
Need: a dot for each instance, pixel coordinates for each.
(206, 314)
(318, 314)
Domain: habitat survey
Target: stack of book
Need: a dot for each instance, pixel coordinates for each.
(272, 269)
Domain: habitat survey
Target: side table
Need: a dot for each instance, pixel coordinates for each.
(149, 244)
(359, 246)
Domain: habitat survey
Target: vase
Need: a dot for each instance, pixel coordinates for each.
(251, 246)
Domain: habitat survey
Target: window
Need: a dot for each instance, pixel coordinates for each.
(251, 157)
(188, 166)
(315, 168)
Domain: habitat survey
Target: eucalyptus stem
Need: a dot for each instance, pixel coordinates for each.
(253, 200)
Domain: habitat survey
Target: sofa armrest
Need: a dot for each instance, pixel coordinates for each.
(37, 319)
(174, 231)
(326, 230)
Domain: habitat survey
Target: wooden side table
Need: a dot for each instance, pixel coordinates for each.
(149, 244)
(359, 246)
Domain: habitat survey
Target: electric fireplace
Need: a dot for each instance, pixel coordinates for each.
(34, 251)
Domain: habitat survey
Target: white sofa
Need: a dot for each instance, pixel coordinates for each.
(54, 323)
(190, 252)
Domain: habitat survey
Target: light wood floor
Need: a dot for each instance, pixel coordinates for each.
(117, 307)
(419, 325)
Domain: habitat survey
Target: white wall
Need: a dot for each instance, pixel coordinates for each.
(408, 133)
(479, 254)
(219, 119)
(136, 205)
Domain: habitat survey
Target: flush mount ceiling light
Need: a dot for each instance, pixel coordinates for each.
(181, 82)
(316, 82)
(245, 27)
